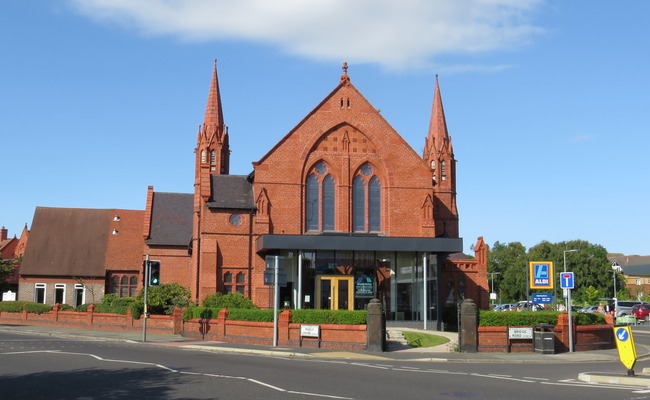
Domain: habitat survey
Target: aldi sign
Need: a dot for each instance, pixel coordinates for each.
(541, 274)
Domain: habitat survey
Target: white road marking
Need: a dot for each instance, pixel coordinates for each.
(255, 381)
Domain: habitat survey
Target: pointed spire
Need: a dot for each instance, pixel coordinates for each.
(438, 136)
(438, 123)
(213, 111)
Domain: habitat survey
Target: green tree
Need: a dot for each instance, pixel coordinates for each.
(592, 269)
(6, 269)
(507, 262)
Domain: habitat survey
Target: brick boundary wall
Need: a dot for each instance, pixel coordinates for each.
(586, 337)
(344, 337)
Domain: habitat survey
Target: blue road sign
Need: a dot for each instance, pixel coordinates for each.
(566, 280)
(542, 298)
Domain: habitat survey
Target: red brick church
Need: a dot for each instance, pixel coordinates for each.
(342, 203)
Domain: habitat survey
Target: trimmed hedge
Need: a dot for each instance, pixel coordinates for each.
(12, 306)
(242, 314)
(200, 313)
(339, 317)
(37, 308)
(531, 318)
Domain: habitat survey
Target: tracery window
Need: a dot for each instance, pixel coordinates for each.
(320, 201)
(366, 200)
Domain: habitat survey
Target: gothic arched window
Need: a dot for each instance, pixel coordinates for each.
(320, 199)
(366, 200)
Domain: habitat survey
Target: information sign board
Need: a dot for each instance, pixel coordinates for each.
(518, 332)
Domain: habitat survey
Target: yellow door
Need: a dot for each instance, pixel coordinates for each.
(334, 293)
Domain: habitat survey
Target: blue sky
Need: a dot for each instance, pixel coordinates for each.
(547, 102)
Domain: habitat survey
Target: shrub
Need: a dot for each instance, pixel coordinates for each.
(229, 301)
(122, 301)
(82, 307)
(108, 299)
(12, 306)
(66, 307)
(341, 317)
(246, 314)
(37, 308)
(200, 312)
(162, 300)
(531, 318)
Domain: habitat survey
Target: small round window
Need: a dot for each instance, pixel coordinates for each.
(321, 168)
(235, 220)
(366, 169)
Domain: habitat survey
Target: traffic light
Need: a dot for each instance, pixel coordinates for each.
(154, 273)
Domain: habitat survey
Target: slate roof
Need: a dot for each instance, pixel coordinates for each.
(67, 242)
(231, 191)
(171, 219)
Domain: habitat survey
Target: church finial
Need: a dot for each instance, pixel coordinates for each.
(345, 78)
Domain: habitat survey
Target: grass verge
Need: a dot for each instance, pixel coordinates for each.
(417, 339)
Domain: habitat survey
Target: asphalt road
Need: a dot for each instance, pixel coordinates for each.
(40, 367)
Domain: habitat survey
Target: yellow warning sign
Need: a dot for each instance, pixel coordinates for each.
(625, 345)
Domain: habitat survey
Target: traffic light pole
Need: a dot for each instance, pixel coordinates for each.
(146, 285)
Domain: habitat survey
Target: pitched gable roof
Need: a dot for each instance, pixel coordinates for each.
(231, 191)
(171, 219)
(67, 242)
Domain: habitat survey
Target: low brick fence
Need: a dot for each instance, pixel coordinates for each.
(349, 337)
(585, 337)
(166, 324)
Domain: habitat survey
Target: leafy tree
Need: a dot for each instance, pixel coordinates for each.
(593, 274)
(7, 268)
(507, 263)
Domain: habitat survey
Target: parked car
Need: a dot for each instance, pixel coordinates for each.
(504, 307)
(528, 306)
(625, 307)
(641, 311)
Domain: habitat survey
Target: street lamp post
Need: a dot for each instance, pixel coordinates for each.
(569, 306)
(615, 268)
(492, 278)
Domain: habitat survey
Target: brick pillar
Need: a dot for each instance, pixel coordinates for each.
(562, 337)
(129, 318)
(55, 311)
(221, 323)
(283, 328)
(177, 319)
(90, 312)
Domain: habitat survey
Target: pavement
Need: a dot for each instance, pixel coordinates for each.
(395, 352)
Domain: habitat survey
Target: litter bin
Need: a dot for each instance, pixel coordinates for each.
(544, 339)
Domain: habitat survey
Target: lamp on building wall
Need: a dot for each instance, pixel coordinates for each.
(114, 231)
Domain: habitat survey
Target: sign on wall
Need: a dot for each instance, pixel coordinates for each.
(541, 274)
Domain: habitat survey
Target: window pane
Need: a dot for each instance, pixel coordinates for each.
(241, 278)
(328, 203)
(358, 205)
(374, 204)
(311, 207)
(227, 277)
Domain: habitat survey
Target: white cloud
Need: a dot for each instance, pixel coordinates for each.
(393, 33)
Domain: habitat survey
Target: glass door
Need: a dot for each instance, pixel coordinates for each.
(334, 293)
